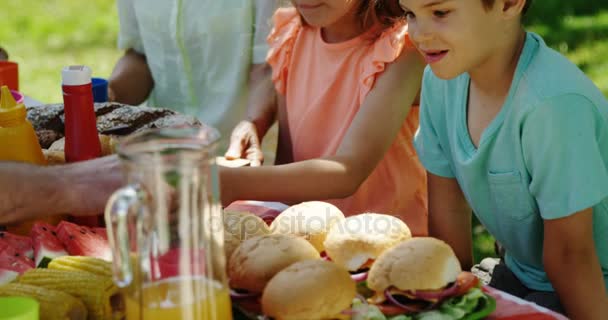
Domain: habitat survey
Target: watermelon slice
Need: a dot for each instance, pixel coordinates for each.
(82, 241)
(21, 244)
(6, 249)
(11, 266)
(101, 232)
(46, 245)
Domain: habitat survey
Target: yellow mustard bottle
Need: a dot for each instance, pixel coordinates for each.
(18, 141)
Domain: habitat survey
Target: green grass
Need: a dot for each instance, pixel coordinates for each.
(44, 36)
(583, 38)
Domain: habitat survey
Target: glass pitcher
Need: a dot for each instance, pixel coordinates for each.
(165, 227)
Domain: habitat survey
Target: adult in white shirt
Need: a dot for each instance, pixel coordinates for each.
(198, 57)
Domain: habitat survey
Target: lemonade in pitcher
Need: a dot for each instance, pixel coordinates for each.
(180, 298)
(165, 227)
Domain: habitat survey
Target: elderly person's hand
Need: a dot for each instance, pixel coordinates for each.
(3, 54)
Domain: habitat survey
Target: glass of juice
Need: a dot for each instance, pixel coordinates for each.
(165, 227)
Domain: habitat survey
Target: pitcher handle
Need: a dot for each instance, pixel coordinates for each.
(124, 204)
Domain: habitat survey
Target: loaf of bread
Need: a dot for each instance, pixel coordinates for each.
(115, 119)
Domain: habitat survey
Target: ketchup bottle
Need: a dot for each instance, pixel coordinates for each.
(81, 137)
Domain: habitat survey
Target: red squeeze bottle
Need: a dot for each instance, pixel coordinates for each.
(81, 137)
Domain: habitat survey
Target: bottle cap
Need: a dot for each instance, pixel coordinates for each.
(11, 112)
(19, 308)
(75, 75)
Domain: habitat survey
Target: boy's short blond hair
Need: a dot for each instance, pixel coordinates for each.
(489, 3)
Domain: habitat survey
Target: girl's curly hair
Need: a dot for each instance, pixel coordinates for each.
(382, 13)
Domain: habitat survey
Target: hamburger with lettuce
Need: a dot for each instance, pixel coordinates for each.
(421, 279)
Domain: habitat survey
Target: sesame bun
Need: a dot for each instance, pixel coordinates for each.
(309, 220)
(314, 289)
(357, 239)
(240, 226)
(258, 259)
(416, 264)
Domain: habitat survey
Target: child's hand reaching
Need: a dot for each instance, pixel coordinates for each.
(245, 144)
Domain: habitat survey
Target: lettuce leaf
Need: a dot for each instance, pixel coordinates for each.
(471, 306)
(362, 311)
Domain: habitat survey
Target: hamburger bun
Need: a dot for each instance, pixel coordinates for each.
(357, 239)
(266, 210)
(258, 259)
(240, 226)
(108, 144)
(314, 289)
(309, 220)
(416, 264)
(54, 157)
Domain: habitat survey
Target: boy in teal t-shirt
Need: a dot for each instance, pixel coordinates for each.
(513, 130)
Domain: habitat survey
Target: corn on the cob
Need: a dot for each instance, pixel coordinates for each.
(79, 263)
(54, 305)
(99, 294)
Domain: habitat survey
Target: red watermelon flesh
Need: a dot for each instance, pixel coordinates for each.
(101, 232)
(82, 241)
(9, 253)
(11, 266)
(6, 249)
(46, 244)
(21, 244)
(15, 263)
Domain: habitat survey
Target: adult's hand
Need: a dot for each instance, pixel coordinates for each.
(31, 192)
(245, 144)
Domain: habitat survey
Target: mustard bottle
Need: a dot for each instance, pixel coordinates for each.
(18, 141)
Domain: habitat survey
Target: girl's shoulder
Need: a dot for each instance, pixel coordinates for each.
(287, 25)
(391, 42)
(385, 49)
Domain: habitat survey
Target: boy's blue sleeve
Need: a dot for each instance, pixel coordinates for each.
(564, 147)
(129, 36)
(427, 141)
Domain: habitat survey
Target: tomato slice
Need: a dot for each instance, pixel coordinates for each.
(465, 282)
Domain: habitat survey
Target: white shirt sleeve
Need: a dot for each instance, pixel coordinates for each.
(264, 9)
(129, 36)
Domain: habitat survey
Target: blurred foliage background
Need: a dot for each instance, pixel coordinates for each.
(44, 36)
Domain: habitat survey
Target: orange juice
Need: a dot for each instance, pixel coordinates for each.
(180, 298)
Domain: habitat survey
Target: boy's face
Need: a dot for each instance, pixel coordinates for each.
(454, 36)
(324, 13)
